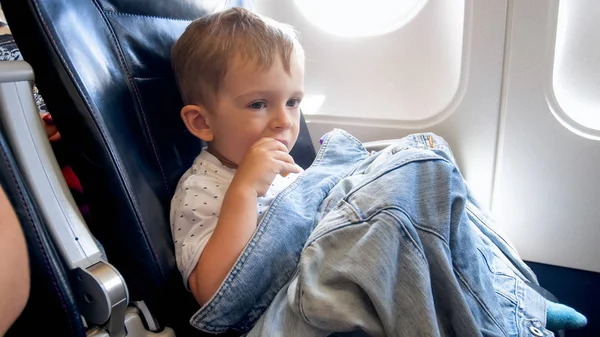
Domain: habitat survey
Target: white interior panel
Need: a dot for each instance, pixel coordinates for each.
(440, 72)
(402, 69)
(548, 181)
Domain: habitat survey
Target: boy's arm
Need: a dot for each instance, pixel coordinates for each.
(238, 218)
(236, 225)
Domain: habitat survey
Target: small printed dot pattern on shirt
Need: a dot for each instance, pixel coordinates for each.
(196, 205)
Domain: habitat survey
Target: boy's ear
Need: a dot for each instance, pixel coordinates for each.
(196, 120)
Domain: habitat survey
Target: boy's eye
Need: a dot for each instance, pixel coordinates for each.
(293, 103)
(257, 105)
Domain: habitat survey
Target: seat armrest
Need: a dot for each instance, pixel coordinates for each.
(100, 290)
(20, 118)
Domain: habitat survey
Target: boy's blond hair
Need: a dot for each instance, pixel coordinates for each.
(203, 54)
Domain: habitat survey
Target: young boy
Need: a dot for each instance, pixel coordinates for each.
(241, 77)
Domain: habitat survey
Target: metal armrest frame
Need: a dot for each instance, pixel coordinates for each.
(101, 291)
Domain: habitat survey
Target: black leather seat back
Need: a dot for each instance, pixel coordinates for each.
(104, 71)
(51, 307)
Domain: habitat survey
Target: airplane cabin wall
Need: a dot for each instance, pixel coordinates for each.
(548, 181)
(452, 71)
(478, 73)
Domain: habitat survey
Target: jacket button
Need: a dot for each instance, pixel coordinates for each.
(535, 331)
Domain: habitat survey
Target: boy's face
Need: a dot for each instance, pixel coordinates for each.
(254, 103)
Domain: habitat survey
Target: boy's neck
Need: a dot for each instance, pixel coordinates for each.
(224, 161)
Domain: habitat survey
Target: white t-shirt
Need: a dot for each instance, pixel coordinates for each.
(196, 206)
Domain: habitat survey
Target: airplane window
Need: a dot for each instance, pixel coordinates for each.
(415, 74)
(354, 18)
(576, 70)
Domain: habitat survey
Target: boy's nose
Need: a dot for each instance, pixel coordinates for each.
(282, 119)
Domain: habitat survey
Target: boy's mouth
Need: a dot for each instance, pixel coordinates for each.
(283, 141)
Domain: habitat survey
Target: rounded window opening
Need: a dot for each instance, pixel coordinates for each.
(574, 97)
(354, 18)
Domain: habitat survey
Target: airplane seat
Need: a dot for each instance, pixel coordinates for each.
(74, 290)
(103, 68)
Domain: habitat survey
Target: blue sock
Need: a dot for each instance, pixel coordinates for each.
(560, 317)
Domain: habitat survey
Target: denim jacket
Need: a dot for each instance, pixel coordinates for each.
(380, 244)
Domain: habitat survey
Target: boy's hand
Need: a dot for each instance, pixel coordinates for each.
(265, 159)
